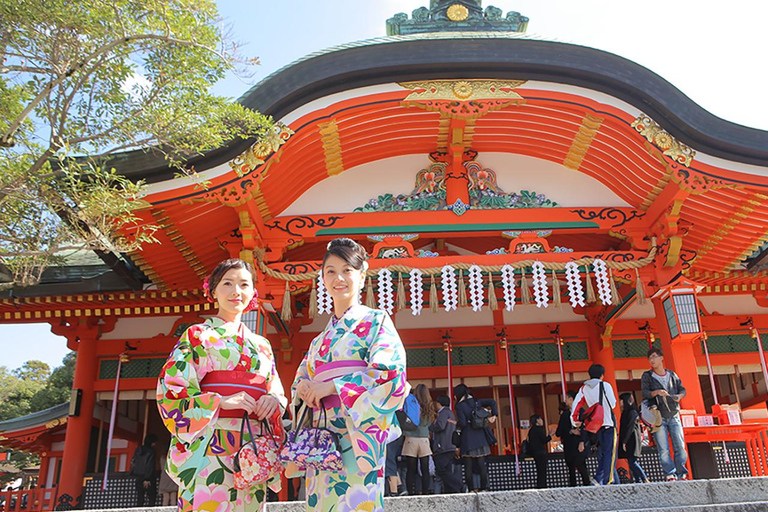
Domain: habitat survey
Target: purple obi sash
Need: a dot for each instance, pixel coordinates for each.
(329, 371)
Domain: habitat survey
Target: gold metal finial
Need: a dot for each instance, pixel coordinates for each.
(457, 12)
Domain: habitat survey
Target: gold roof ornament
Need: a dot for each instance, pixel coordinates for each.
(457, 12)
(257, 154)
(656, 135)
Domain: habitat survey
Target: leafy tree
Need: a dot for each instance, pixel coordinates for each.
(81, 81)
(33, 371)
(16, 394)
(58, 387)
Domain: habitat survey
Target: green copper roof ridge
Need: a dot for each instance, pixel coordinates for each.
(35, 418)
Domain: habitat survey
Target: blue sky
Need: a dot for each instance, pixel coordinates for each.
(711, 51)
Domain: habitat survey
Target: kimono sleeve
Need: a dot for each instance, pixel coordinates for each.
(380, 389)
(274, 384)
(302, 373)
(187, 412)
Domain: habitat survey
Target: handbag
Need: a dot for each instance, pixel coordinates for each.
(258, 460)
(313, 447)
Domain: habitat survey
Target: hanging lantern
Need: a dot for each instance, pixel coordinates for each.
(681, 309)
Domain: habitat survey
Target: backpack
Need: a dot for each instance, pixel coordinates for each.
(479, 417)
(410, 415)
(143, 462)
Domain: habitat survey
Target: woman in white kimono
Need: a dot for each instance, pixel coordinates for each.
(355, 370)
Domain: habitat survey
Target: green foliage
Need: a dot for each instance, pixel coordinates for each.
(58, 387)
(33, 387)
(82, 82)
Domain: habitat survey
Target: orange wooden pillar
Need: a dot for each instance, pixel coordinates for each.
(680, 357)
(78, 434)
(42, 473)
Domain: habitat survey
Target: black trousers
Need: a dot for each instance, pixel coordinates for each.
(477, 463)
(541, 469)
(141, 491)
(412, 475)
(578, 463)
(444, 469)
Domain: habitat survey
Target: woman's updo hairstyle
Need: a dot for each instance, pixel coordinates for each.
(213, 280)
(348, 250)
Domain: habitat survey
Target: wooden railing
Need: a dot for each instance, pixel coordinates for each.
(32, 500)
(754, 435)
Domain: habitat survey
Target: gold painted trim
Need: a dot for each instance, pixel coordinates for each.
(329, 135)
(180, 242)
(582, 140)
(463, 90)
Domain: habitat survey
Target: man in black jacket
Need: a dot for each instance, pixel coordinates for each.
(143, 469)
(443, 449)
(663, 388)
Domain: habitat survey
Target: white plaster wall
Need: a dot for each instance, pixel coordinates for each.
(146, 327)
(639, 312)
(397, 175)
(531, 314)
(462, 317)
(355, 187)
(732, 304)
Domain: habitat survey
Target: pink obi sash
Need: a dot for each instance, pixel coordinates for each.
(230, 382)
(329, 371)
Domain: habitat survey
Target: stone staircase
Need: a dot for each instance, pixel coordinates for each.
(722, 495)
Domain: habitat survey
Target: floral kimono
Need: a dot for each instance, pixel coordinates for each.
(200, 458)
(364, 357)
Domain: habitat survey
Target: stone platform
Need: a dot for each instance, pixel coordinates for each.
(721, 495)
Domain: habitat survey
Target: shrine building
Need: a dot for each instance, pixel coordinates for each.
(530, 207)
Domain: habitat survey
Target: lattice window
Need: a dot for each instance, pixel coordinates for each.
(543, 352)
(730, 343)
(635, 347)
(461, 356)
(135, 369)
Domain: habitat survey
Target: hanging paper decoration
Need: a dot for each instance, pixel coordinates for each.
(450, 292)
(417, 293)
(324, 301)
(386, 298)
(508, 280)
(575, 289)
(603, 283)
(476, 287)
(540, 291)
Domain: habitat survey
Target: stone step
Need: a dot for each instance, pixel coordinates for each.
(721, 495)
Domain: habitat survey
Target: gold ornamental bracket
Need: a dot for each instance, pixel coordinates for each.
(670, 146)
(463, 99)
(257, 154)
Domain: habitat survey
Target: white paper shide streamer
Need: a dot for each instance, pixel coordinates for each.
(508, 281)
(417, 292)
(540, 292)
(386, 298)
(603, 282)
(575, 288)
(324, 301)
(476, 287)
(450, 290)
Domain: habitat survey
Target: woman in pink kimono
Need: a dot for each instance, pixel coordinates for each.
(355, 370)
(218, 371)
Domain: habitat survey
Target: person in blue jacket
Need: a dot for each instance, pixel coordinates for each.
(476, 437)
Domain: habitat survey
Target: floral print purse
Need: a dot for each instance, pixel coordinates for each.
(258, 460)
(313, 447)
